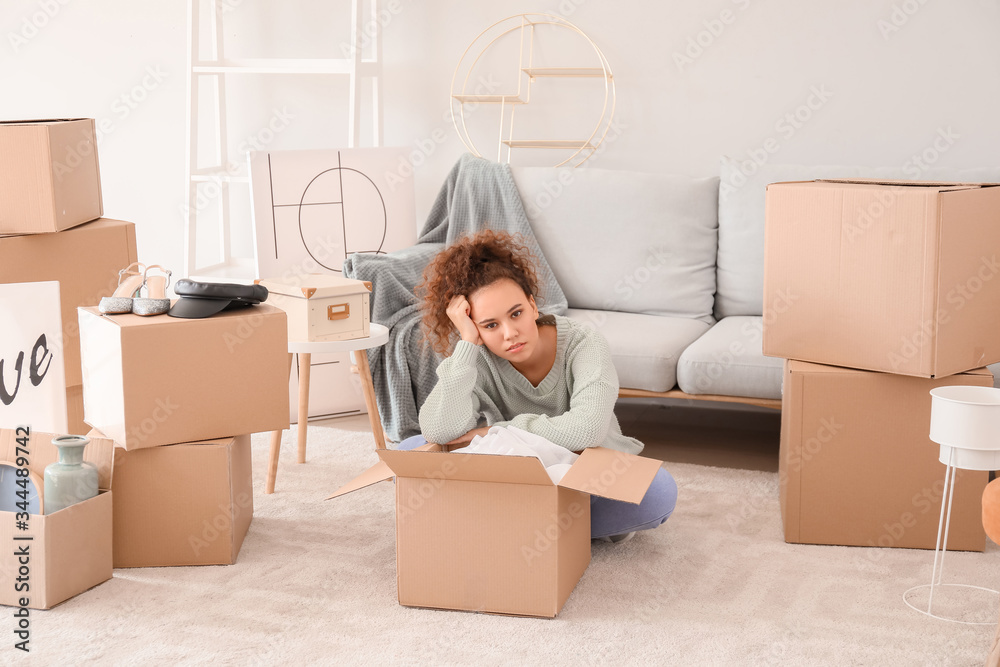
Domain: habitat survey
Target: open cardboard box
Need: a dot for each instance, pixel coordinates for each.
(493, 533)
(892, 276)
(68, 551)
(49, 175)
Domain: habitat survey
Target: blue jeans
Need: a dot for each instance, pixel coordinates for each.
(614, 517)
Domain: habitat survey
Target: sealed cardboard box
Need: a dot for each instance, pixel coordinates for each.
(185, 504)
(49, 175)
(898, 277)
(85, 260)
(492, 533)
(322, 307)
(857, 466)
(59, 555)
(151, 381)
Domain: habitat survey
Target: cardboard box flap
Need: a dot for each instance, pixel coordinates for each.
(611, 474)
(43, 121)
(941, 185)
(379, 472)
(41, 452)
(467, 467)
(796, 366)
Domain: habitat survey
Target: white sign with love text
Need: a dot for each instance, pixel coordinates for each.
(32, 367)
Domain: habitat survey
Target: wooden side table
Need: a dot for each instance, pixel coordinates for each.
(378, 335)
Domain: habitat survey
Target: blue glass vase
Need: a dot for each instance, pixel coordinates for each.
(69, 480)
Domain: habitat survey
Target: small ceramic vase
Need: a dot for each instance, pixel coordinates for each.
(70, 480)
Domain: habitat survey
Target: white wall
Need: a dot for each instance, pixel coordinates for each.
(891, 91)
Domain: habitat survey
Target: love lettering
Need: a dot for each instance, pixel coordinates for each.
(40, 355)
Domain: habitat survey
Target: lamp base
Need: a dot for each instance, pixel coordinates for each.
(990, 611)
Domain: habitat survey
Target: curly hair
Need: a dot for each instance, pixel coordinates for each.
(462, 268)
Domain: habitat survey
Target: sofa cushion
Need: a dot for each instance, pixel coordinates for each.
(740, 272)
(644, 348)
(728, 361)
(995, 369)
(626, 241)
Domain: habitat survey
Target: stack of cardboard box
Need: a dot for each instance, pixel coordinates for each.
(171, 393)
(875, 293)
(51, 227)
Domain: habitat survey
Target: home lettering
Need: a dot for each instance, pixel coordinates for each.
(39, 354)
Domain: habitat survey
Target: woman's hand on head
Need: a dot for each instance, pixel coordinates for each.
(459, 312)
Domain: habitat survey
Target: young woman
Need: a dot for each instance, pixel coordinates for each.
(548, 375)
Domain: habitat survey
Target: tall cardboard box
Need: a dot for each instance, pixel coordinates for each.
(857, 467)
(897, 277)
(152, 381)
(49, 175)
(69, 551)
(85, 260)
(492, 533)
(185, 504)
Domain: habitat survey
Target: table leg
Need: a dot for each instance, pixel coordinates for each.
(368, 389)
(305, 364)
(272, 461)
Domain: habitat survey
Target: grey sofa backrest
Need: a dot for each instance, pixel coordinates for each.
(626, 241)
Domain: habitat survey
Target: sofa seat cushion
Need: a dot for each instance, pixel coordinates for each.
(727, 361)
(626, 241)
(644, 348)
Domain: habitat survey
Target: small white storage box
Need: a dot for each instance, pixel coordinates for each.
(322, 307)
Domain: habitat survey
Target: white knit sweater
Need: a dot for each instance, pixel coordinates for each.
(573, 406)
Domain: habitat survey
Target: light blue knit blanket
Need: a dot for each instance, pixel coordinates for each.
(478, 194)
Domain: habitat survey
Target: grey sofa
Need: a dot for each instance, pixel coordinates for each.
(670, 268)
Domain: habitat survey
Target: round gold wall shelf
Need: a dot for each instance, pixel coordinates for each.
(466, 87)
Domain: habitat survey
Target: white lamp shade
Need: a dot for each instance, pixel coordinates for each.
(965, 421)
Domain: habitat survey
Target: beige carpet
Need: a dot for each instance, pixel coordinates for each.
(315, 584)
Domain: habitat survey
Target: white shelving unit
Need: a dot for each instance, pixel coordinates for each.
(227, 266)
